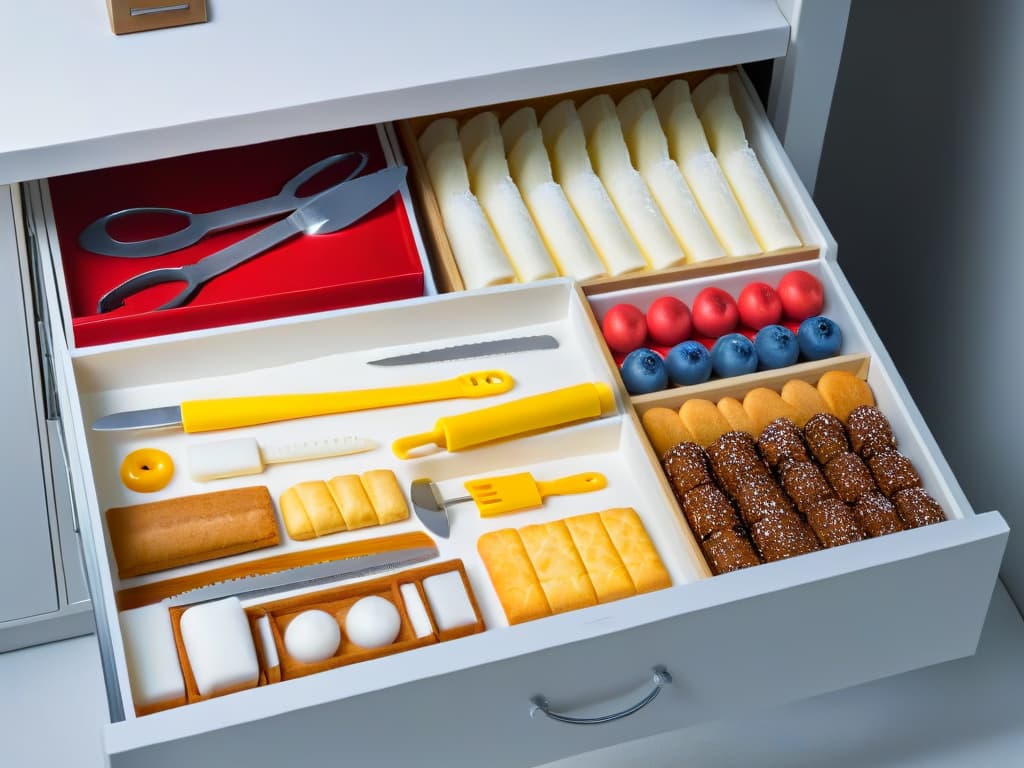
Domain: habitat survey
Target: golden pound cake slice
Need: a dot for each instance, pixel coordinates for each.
(512, 575)
(635, 548)
(561, 572)
(607, 572)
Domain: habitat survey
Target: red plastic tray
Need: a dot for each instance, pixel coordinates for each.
(374, 260)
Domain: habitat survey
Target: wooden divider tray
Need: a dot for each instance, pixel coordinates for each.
(339, 600)
(336, 601)
(759, 133)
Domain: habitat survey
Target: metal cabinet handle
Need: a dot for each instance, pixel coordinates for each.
(541, 704)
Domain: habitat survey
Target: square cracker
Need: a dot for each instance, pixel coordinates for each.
(635, 548)
(512, 575)
(607, 572)
(559, 568)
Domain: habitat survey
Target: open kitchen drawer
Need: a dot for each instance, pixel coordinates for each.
(731, 643)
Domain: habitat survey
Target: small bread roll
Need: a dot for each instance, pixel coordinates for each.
(738, 418)
(319, 507)
(386, 495)
(805, 400)
(764, 406)
(351, 498)
(843, 391)
(665, 429)
(704, 421)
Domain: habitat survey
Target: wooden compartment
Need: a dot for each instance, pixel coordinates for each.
(337, 601)
(759, 134)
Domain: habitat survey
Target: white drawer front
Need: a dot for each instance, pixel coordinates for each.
(805, 626)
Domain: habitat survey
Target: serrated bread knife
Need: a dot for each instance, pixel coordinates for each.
(476, 349)
(305, 576)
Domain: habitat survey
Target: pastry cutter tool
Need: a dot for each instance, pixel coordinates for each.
(476, 349)
(528, 415)
(330, 211)
(97, 239)
(232, 412)
(496, 496)
(244, 456)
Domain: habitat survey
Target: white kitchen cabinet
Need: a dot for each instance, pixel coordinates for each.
(229, 90)
(38, 545)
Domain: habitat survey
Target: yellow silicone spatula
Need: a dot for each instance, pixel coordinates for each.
(512, 493)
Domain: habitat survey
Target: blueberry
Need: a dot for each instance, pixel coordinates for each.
(819, 337)
(776, 347)
(643, 371)
(688, 363)
(733, 355)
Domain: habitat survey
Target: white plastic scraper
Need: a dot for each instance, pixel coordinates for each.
(244, 456)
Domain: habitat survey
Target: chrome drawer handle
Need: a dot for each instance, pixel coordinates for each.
(541, 704)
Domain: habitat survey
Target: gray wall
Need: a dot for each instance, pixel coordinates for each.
(922, 183)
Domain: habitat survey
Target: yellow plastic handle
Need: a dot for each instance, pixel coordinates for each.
(232, 412)
(581, 483)
(518, 417)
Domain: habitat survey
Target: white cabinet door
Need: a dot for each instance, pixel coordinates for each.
(26, 558)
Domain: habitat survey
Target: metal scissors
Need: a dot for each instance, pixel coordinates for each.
(97, 239)
(329, 211)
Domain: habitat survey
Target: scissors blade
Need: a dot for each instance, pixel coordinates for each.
(97, 239)
(330, 211)
(340, 206)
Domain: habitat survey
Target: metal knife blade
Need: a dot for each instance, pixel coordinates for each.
(146, 418)
(476, 349)
(429, 507)
(305, 576)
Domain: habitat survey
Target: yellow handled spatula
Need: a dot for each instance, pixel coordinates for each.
(497, 496)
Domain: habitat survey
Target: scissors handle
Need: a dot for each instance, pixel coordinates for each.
(115, 297)
(97, 239)
(195, 276)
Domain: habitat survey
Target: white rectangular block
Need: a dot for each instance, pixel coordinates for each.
(153, 669)
(416, 610)
(448, 600)
(219, 645)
